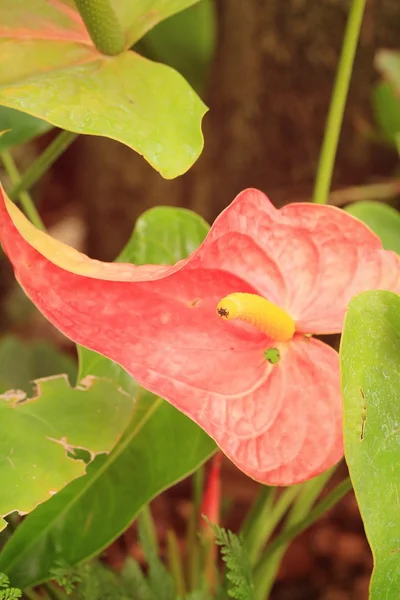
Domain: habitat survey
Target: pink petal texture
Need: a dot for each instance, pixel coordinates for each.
(322, 256)
(280, 423)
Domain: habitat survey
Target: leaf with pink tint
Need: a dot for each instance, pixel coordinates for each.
(37, 433)
(47, 54)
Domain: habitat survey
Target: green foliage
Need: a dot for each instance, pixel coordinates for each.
(384, 220)
(145, 105)
(7, 592)
(37, 436)
(235, 556)
(185, 41)
(387, 98)
(65, 576)
(22, 127)
(386, 106)
(370, 364)
(164, 235)
(22, 361)
(159, 581)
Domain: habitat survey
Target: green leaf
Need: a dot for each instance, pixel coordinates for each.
(160, 446)
(185, 42)
(21, 362)
(141, 16)
(22, 127)
(36, 434)
(386, 105)
(370, 363)
(164, 235)
(47, 55)
(383, 219)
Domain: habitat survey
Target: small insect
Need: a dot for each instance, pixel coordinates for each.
(258, 311)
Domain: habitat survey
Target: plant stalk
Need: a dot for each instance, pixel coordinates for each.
(24, 197)
(43, 162)
(338, 102)
(321, 508)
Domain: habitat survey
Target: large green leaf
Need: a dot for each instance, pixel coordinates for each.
(21, 362)
(19, 127)
(160, 446)
(185, 42)
(36, 434)
(370, 362)
(384, 220)
(47, 56)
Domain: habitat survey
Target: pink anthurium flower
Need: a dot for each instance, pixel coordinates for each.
(224, 334)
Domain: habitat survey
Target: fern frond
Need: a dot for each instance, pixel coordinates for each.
(4, 581)
(10, 594)
(66, 576)
(100, 583)
(234, 555)
(7, 592)
(134, 580)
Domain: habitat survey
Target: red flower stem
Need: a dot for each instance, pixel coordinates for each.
(338, 102)
(210, 508)
(102, 25)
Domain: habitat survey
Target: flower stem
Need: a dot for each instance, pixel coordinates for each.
(43, 163)
(102, 25)
(24, 197)
(175, 563)
(338, 102)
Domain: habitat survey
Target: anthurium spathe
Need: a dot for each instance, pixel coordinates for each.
(225, 334)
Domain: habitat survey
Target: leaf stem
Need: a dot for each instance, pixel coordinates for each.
(338, 102)
(43, 162)
(24, 197)
(175, 563)
(102, 25)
